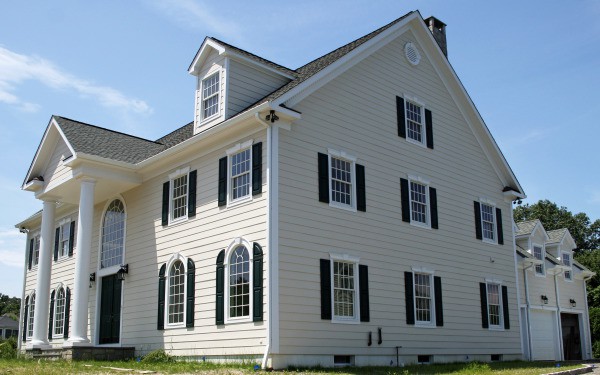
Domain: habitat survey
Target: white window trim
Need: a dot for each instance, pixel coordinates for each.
(62, 222)
(348, 259)
(491, 203)
(352, 160)
(533, 245)
(432, 322)
(37, 237)
(101, 272)
(567, 268)
(422, 181)
(30, 312)
(54, 334)
(178, 173)
(230, 152)
(420, 103)
(237, 242)
(500, 301)
(175, 257)
(218, 94)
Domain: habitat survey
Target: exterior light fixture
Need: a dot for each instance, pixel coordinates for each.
(122, 271)
(92, 278)
(573, 303)
(544, 299)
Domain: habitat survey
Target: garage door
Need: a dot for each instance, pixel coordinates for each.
(543, 335)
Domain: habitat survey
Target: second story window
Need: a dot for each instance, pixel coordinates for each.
(414, 122)
(487, 222)
(341, 181)
(538, 253)
(240, 174)
(566, 261)
(36, 250)
(179, 197)
(418, 203)
(210, 96)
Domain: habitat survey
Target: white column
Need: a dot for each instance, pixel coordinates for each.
(79, 327)
(42, 287)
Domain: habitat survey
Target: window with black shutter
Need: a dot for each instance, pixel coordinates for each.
(342, 181)
(179, 196)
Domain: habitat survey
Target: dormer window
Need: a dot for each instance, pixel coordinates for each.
(538, 253)
(566, 261)
(210, 96)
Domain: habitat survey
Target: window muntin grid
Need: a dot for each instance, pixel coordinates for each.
(31, 314)
(113, 235)
(59, 312)
(36, 250)
(487, 222)
(344, 290)
(422, 285)
(65, 232)
(493, 298)
(566, 260)
(179, 197)
(210, 95)
(418, 202)
(176, 292)
(239, 283)
(341, 181)
(414, 122)
(538, 253)
(240, 174)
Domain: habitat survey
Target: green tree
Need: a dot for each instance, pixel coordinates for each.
(10, 306)
(585, 232)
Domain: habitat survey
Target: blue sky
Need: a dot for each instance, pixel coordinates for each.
(531, 67)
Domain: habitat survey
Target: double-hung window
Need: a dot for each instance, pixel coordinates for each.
(210, 96)
(179, 195)
(344, 290)
(418, 203)
(415, 124)
(566, 261)
(494, 305)
(36, 250)
(488, 222)
(241, 174)
(538, 253)
(342, 181)
(423, 298)
(342, 192)
(64, 241)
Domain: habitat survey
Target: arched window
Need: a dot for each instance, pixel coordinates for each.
(176, 292)
(59, 312)
(113, 235)
(239, 283)
(31, 312)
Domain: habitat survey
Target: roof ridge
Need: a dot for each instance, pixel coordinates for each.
(103, 128)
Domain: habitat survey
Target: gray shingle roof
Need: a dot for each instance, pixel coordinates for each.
(8, 322)
(526, 227)
(556, 235)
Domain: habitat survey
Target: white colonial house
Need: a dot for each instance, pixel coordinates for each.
(553, 301)
(355, 210)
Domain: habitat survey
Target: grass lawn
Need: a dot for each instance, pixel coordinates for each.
(24, 366)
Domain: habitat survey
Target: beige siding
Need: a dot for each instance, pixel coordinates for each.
(247, 85)
(356, 113)
(55, 170)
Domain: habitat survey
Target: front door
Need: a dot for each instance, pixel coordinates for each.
(571, 336)
(110, 310)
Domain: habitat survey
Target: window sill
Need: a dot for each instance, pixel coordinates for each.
(540, 275)
(425, 325)
(179, 220)
(488, 241)
(238, 320)
(174, 326)
(345, 321)
(209, 118)
(56, 337)
(239, 201)
(496, 328)
(420, 225)
(342, 206)
(414, 142)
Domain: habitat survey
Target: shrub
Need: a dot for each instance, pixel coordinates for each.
(158, 356)
(8, 348)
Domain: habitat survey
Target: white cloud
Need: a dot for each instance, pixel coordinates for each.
(16, 69)
(12, 246)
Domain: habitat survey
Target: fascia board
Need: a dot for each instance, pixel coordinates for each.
(199, 58)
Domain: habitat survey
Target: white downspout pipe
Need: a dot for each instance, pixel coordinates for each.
(558, 311)
(588, 333)
(527, 313)
(514, 243)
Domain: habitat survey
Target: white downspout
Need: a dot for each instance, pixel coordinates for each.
(558, 311)
(588, 334)
(527, 313)
(514, 243)
(269, 239)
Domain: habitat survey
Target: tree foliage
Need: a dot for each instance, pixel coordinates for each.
(585, 232)
(10, 306)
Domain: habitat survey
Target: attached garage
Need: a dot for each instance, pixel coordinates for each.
(544, 335)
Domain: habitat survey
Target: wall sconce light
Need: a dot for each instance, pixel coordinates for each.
(573, 303)
(544, 299)
(92, 278)
(122, 271)
(272, 116)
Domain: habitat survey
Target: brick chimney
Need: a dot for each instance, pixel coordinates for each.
(438, 29)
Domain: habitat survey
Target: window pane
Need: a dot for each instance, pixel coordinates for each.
(418, 202)
(179, 198)
(343, 289)
(240, 174)
(341, 181)
(414, 123)
(59, 312)
(487, 221)
(113, 228)
(422, 285)
(176, 292)
(31, 312)
(493, 291)
(239, 283)
(210, 95)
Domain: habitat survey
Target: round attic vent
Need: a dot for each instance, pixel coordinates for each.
(412, 53)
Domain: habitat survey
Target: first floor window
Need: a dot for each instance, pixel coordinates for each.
(566, 261)
(65, 235)
(210, 96)
(59, 312)
(487, 222)
(538, 253)
(494, 305)
(113, 235)
(239, 283)
(31, 314)
(344, 290)
(414, 122)
(241, 163)
(423, 295)
(36, 250)
(179, 197)
(418, 202)
(176, 292)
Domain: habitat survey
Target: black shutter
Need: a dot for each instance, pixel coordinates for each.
(192, 193)
(477, 209)
(409, 296)
(404, 193)
(433, 207)
(323, 178)
(429, 128)
(363, 288)
(67, 313)
(499, 226)
(257, 283)
(25, 318)
(165, 204)
(257, 168)
(51, 316)
(220, 281)
(222, 193)
(191, 293)
(505, 306)
(71, 238)
(361, 195)
(56, 243)
(325, 289)
(484, 311)
(160, 322)
(401, 118)
(439, 308)
(31, 244)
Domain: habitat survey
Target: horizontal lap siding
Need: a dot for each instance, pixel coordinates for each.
(149, 245)
(356, 113)
(55, 169)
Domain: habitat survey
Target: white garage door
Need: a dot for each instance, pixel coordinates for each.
(543, 335)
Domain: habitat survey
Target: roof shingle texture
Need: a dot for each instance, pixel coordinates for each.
(526, 227)
(8, 322)
(556, 235)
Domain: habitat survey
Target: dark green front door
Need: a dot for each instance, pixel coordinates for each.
(110, 310)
